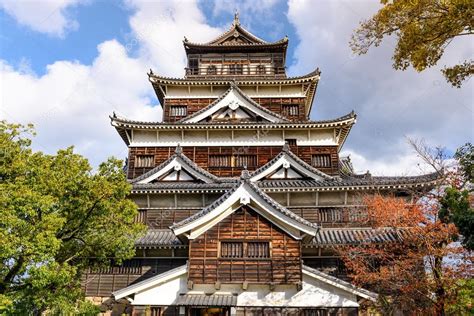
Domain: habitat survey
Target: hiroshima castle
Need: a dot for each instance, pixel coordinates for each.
(244, 197)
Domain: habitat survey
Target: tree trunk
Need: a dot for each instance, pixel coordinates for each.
(440, 291)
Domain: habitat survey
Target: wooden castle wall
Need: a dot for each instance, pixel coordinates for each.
(103, 282)
(200, 155)
(207, 267)
(276, 105)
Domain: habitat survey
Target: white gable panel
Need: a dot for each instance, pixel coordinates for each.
(232, 105)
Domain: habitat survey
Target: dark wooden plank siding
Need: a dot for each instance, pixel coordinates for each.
(206, 265)
(104, 281)
(276, 105)
(200, 155)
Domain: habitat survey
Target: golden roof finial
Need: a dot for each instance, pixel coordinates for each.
(236, 18)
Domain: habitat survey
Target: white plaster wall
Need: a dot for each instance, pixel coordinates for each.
(194, 136)
(176, 92)
(163, 294)
(314, 293)
(141, 136)
(303, 199)
(331, 198)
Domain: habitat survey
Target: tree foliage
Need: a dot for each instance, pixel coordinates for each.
(418, 273)
(57, 213)
(424, 29)
(455, 203)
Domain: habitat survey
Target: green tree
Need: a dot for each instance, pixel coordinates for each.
(424, 29)
(57, 214)
(455, 204)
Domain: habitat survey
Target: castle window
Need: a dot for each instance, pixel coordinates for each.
(245, 161)
(144, 161)
(178, 110)
(236, 69)
(261, 70)
(232, 249)
(250, 250)
(291, 141)
(211, 70)
(238, 161)
(291, 109)
(321, 160)
(258, 250)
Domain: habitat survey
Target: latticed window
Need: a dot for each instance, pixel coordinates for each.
(321, 160)
(211, 70)
(315, 312)
(250, 250)
(154, 311)
(232, 249)
(144, 161)
(261, 70)
(239, 161)
(245, 161)
(258, 250)
(220, 161)
(236, 69)
(291, 109)
(178, 110)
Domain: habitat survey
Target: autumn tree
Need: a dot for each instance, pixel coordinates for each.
(57, 212)
(423, 29)
(419, 272)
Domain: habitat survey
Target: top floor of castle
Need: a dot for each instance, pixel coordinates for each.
(236, 53)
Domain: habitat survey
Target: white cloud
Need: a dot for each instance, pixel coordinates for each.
(46, 16)
(159, 28)
(71, 102)
(390, 104)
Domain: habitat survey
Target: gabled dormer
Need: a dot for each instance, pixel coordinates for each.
(245, 230)
(234, 106)
(177, 168)
(288, 166)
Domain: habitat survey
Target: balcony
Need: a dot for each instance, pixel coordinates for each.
(236, 71)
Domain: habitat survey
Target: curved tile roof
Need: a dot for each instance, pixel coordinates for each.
(188, 162)
(229, 193)
(158, 238)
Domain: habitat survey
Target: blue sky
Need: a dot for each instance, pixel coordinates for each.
(67, 64)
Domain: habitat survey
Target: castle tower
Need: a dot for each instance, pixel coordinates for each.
(244, 196)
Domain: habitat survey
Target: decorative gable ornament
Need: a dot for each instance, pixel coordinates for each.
(248, 194)
(234, 104)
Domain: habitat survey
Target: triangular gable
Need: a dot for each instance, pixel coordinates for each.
(237, 35)
(245, 193)
(234, 105)
(178, 168)
(286, 165)
(338, 283)
(160, 279)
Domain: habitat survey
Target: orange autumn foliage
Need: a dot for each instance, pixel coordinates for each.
(415, 274)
